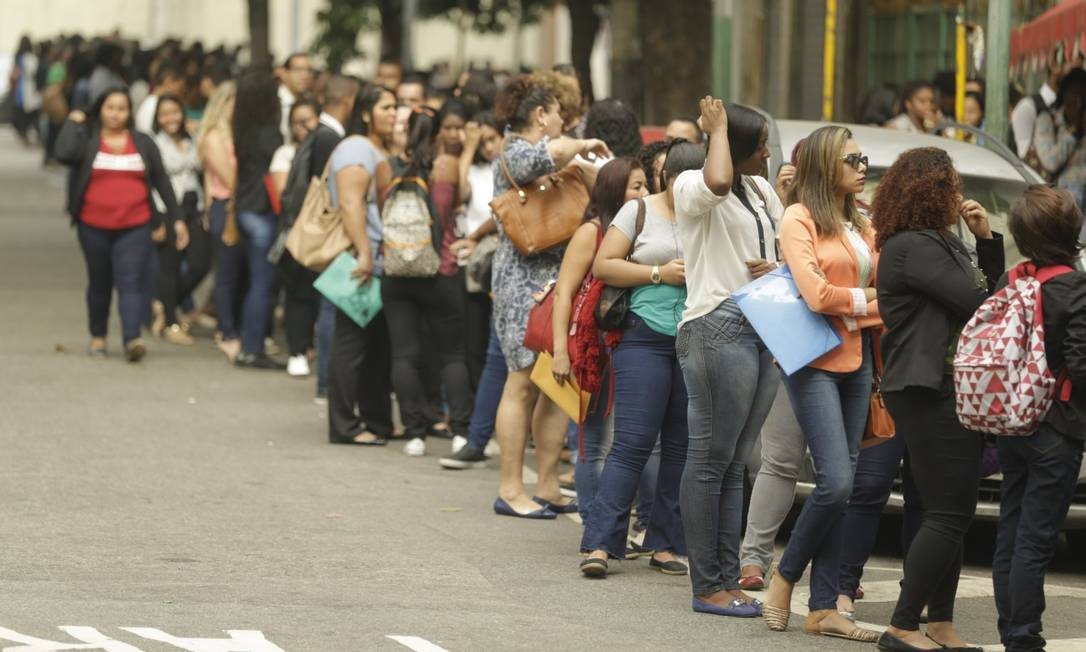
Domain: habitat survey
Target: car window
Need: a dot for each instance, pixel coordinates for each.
(996, 195)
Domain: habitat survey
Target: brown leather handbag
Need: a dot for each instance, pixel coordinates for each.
(545, 213)
(880, 425)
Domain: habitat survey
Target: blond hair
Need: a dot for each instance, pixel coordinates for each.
(218, 114)
(564, 89)
(818, 174)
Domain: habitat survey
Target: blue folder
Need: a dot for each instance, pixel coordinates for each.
(794, 334)
(360, 303)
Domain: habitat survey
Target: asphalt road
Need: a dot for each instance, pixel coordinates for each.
(191, 499)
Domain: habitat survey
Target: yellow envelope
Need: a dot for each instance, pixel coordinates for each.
(568, 396)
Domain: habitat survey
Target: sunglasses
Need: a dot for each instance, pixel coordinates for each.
(855, 160)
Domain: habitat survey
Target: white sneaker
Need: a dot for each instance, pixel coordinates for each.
(492, 449)
(415, 448)
(298, 366)
(458, 442)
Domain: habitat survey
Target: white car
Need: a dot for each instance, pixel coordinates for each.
(993, 176)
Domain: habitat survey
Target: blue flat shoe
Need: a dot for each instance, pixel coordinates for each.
(570, 508)
(736, 609)
(503, 508)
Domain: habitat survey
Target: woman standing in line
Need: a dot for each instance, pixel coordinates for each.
(215, 145)
(830, 249)
(649, 395)
(114, 170)
(182, 163)
(534, 147)
(256, 137)
(928, 290)
(727, 217)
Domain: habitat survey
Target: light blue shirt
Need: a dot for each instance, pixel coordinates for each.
(358, 150)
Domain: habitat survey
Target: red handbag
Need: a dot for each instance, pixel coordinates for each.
(539, 336)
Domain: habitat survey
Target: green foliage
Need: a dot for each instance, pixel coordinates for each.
(340, 24)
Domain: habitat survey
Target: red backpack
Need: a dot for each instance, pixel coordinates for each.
(1001, 376)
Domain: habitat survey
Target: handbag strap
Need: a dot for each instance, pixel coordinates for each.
(509, 177)
(639, 226)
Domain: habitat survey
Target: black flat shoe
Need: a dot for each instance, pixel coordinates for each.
(673, 567)
(966, 648)
(593, 567)
(258, 361)
(890, 643)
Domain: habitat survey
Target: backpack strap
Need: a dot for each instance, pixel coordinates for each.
(1044, 275)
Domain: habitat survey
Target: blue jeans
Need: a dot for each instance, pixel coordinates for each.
(876, 470)
(832, 411)
(732, 383)
(586, 470)
(259, 231)
(115, 259)
(1039, 478)
(488, 395)
(228, 262)
(326, 331)
(650, 399)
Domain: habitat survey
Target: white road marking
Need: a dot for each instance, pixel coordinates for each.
(241, 640)
(91, 639)
(417, 644)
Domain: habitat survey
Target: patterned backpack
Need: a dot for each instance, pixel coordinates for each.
(1001, 376)
(410, 234)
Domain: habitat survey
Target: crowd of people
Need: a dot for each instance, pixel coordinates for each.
(201, 170)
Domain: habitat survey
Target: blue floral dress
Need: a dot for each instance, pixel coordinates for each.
(517, 277)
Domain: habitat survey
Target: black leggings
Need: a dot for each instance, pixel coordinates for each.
(439, 302)
(302, 303)
(173, 283)
(945, 460)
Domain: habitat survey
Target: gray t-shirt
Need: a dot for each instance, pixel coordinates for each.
(658, 243)
(358, 150)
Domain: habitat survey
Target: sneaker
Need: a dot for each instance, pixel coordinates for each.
(492, 449)
(416, 447)
(175, 334)
(298, 366)
(465, 458)
(257, 361)
(458, 442)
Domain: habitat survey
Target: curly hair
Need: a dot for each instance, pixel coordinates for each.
(564, 89)
(615, 123)
(918, 192)
(647, 156)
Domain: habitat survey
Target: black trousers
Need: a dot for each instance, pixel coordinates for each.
(437, 302)
(945, 460)
(302, 303)
(359, 386)
(477, 308)
(173, 283)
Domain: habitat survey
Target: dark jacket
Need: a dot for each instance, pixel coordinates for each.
(254, 157)
(927, 292)
(1063, 302)
(325, 140)
(77, 146)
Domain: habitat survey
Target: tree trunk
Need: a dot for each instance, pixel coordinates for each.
(585, 23)
(627, 79)
(259, 54)
(391, 28)
(677, 50)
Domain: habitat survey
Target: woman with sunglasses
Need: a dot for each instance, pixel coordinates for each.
(830, 249)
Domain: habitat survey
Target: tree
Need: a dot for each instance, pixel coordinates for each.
(585, 19)
(259, 52)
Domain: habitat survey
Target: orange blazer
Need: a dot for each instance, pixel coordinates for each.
(827, 274)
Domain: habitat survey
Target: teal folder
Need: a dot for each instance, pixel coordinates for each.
(359, 303)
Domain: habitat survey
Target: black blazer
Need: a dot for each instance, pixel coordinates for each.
(78, 144)
(927, 292)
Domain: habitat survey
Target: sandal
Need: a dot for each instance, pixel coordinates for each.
(776, 618)
(816, 620)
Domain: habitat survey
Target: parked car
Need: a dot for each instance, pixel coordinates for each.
(993, 176)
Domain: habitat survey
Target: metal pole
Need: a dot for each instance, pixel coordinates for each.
(998, 54)
(960, 69)
(723, 10)
(829, 60)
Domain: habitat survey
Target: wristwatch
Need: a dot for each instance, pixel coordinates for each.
(655, 276)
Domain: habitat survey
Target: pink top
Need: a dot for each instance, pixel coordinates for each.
(217, 188)
(443, 195)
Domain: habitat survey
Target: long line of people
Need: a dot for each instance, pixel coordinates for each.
(682, 384)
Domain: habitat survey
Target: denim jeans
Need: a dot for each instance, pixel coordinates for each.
(228, 266)
(650, 399)
(1039, 478)
(259, 231)
(782, 455)
(587, 469)
(488, 395)
(646, 489)
(115, 259)
(832, 411)
(731, 383)
(876, 470)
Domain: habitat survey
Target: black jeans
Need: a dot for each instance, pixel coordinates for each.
(358, 379)
(439, 303)
(1039, 478)
(945, 461)
(175, 283)
(302, 303)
